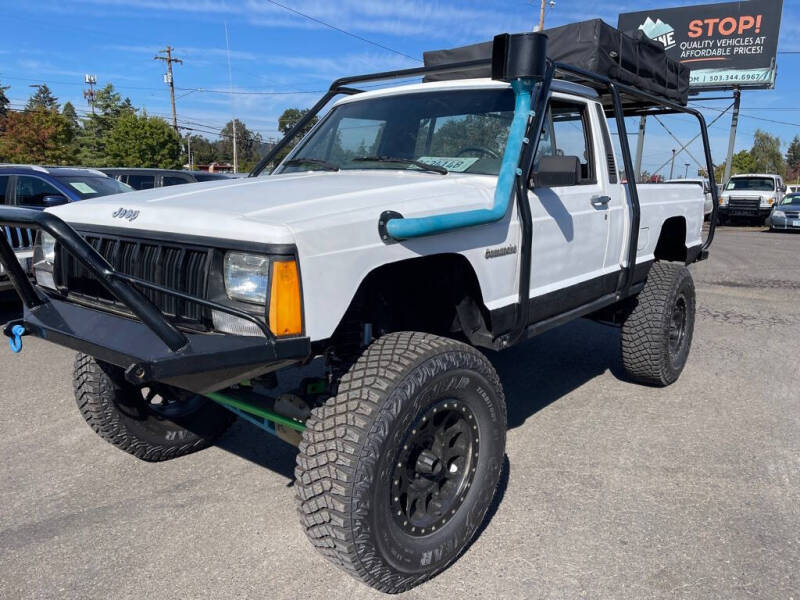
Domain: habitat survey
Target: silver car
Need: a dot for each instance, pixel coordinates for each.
(786, 215)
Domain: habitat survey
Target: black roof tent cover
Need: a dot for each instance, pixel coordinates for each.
(594, 46)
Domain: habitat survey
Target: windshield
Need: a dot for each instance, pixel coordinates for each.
(755, 184)
(93, 186)
(464, 132)
(791, 199)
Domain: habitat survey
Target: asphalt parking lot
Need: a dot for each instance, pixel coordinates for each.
(612, 490)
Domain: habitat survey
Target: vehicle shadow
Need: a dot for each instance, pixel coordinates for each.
(533, 374)
(538, 372)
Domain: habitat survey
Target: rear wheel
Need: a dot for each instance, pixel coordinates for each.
(657, 333)
(396, 472)
(152, 422)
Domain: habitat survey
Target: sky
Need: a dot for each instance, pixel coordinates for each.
(280, 59)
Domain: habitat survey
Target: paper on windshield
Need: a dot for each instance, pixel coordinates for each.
(83, 188)
(457, 164)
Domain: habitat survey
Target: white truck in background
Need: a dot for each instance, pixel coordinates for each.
(750, 197)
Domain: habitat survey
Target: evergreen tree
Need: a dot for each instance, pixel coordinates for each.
(108, 108)
(4, 102)
(42, 98)
(793, 159)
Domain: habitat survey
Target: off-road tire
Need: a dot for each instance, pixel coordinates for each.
(650, 354)
(345, 468)
(117, 412)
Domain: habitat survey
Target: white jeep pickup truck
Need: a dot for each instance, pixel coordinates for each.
(410, 226)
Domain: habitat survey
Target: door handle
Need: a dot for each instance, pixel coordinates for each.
(600, 200)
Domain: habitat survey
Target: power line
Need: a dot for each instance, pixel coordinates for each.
(754, 118)
(339, 29)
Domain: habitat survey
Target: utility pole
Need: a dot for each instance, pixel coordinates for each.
(542, 7)
(91, 81)
(737, 97)
(637, 167)
(168, 78)
(672, 164)
(686, 172)
(230, 85)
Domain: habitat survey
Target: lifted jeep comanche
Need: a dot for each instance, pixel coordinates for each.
(410, 226)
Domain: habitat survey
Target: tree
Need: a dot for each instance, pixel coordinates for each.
(766, 153)
(42, 98)
(204, 151)
(289, 119)
(4, 102)
(142, 141)
(793, 159)
(742, 162)
(36, 136)
(108, 108)
(248, 144)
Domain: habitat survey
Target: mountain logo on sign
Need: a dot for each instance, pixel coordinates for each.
(659, 31)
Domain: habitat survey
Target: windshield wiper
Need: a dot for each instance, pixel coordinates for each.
(403, 161)
(317, 162)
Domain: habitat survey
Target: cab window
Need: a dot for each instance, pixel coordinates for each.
(567, 132)
(173, 180)
(3, 185)
(30, 191)
(141, 182)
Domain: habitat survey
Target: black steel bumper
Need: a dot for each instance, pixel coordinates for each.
(761, 212)
(150, 347)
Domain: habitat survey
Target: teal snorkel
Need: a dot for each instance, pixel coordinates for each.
(521, 60)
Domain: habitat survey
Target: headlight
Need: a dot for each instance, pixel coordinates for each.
(44, 257)
(723, 200)
(246, 277)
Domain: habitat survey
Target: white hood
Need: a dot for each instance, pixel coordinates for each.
(272, 209)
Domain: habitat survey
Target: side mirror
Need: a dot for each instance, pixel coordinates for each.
(556, 171)
(54, 200)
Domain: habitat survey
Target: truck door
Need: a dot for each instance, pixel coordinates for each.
(570, 222)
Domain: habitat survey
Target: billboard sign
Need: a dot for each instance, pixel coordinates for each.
(725, 45)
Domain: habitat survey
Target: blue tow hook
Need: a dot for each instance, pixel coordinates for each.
(15, 341)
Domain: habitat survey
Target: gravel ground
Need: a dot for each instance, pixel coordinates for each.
(611, 490)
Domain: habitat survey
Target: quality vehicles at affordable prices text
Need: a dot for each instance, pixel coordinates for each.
(410, 227)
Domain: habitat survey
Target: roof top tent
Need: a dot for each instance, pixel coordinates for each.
(591, 46)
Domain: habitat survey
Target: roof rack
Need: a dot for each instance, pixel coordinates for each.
(592, 46)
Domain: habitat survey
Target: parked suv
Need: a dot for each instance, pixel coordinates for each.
(146, 179)
(750, 196)
(32, 186)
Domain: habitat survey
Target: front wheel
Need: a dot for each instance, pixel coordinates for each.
(657, 333)
(151, 422)
(396, 472)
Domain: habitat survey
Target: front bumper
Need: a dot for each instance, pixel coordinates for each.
(24, 257)
(762, 212)
(784, 223)
(149, 348)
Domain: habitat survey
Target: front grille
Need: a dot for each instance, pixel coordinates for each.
(749, 204)
(19, 238)
(174, 266)
(793, 215)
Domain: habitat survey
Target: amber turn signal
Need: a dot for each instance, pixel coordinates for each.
(285, 312)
